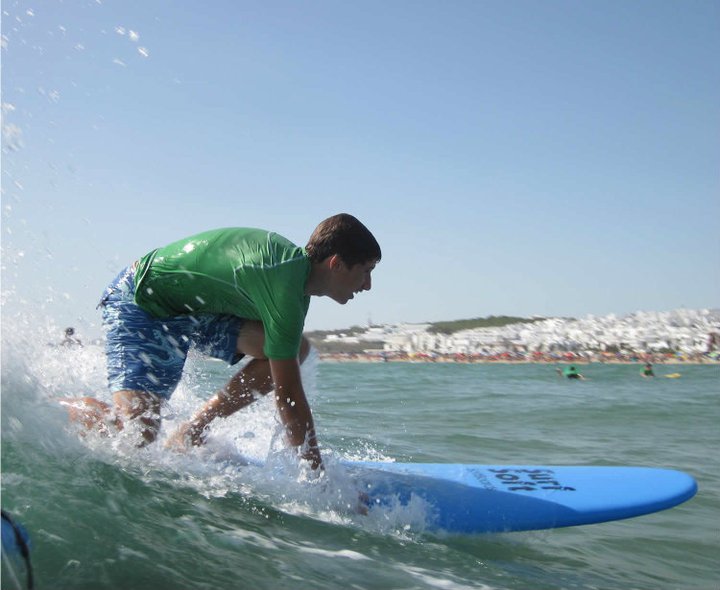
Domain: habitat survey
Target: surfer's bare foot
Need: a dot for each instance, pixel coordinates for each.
(91, 414)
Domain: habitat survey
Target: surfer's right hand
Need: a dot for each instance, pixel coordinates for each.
(184, 437)
(177, 441)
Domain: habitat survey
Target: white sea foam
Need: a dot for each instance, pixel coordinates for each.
(245, 453)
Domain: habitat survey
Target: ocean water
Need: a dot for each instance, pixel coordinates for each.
(102, 514)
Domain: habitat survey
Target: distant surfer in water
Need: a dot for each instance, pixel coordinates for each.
(648, 371)
(572, 373)
(70, 339)
(227, 293)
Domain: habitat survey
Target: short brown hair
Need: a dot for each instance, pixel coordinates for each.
(344, 235)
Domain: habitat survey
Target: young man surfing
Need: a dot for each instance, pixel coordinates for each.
(227, 293)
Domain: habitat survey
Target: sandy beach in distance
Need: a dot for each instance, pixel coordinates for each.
(510, 358)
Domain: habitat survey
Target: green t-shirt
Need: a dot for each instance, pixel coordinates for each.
(249, 273)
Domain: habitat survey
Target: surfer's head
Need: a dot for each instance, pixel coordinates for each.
(344, 235)
(343, 253)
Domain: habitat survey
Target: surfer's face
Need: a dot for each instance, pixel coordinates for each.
(349, 280)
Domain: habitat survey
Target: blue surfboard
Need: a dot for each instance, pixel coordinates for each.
(16, 568)
(470, 499)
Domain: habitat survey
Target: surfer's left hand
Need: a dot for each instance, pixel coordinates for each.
(363, 505)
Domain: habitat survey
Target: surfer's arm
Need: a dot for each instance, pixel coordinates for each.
(294, 409)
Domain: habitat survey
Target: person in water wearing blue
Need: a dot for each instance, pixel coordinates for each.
(227, 293)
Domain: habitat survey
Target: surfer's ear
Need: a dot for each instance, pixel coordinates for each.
(335, 262)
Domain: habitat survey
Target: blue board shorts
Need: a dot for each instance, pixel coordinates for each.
(148, 354)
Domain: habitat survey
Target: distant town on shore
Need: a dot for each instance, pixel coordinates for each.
(681, 335)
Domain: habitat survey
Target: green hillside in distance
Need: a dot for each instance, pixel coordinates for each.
(445, 327)
(493, 321)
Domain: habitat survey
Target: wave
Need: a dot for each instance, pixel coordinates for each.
(244, 456)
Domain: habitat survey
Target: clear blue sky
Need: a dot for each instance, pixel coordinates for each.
(523, 157)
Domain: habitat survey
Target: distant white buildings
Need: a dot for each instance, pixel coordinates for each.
(682, 331)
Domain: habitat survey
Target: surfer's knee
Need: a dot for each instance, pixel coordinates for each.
(91, 414)
(133, 403)
(143, 407)
(251, 339)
